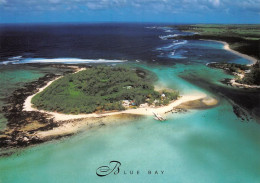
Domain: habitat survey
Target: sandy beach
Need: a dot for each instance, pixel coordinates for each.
(239, 85)
(28, 106)
(227, 47)
(70, 123)
(27, 102)
(252, 59)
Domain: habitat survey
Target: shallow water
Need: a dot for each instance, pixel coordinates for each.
(16, 76)
(10, 80)
(210, 145)
(200, 146)
(203, 146)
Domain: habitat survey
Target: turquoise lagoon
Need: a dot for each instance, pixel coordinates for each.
(199, 146)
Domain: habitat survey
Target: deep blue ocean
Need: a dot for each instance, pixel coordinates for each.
(90, 42)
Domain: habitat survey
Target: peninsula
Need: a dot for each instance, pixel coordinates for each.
(89, 97)
(100, 89)
(242, 40)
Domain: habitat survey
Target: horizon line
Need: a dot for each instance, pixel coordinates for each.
(126, 22)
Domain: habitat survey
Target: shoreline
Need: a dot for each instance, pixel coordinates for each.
(227, 47)
(233, 82)
(148, 111)
(70, 124)
(27, 106)
(32, 126)
(66, 122)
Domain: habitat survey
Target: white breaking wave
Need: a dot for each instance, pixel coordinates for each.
(168, 36)
(12, 60)
(164, 28)
(176, 56)
(182, 42)
(61, 60)
(154, 27)
(15, 58)
(9, 62)
(69, 60)
(210, 63)
(175, 43)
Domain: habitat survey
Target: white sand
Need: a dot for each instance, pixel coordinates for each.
(67, 125)
(252, 59)
(28, 104)
(72, 126)
(139, 111)
(226, 47)
(64, 129)
(234, 83)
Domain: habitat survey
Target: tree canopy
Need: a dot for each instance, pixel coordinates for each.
(97, 89)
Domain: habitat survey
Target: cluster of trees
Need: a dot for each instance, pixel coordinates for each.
(96, 89)
(253, 77)
(231, 67)
(165, 97)
(237, 67)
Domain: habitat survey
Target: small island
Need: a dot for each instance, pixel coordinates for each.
(56, 106)
(100, 89)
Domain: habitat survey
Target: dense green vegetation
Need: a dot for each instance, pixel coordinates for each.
(253, 77)
(250, 32)
(100, 88)
(242, 38)
(230, 67)
(251, 73)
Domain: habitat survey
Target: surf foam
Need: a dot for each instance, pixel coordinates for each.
(168, 36)
(61, 60)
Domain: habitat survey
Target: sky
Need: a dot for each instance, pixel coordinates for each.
(164, 11)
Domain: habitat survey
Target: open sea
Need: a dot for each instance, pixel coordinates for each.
(199, 146)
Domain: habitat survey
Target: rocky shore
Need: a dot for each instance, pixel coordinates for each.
(21, 124)
(235, 70)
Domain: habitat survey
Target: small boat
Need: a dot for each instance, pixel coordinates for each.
(158, 117)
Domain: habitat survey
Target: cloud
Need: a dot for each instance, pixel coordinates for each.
(215, 2)
(103, 4)
(152, 6)
(3, 2)
(54, 1)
